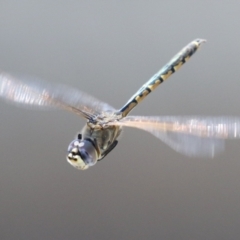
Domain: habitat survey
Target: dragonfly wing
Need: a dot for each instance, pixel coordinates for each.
(191, 146)
(31, 92)
(192, 135)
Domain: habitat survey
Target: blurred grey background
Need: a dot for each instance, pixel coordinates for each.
(143, 189)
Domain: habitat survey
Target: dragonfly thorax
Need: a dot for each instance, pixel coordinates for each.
(82, 154)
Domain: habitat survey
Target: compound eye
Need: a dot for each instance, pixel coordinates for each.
(87, 158)
(81, 154)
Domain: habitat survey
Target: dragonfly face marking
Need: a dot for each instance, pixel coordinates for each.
(192, 135)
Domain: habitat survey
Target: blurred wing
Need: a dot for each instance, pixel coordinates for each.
(44, 95)
(192, 136)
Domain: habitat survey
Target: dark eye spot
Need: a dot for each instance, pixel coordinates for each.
(84, 155)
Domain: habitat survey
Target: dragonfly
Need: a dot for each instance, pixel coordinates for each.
(193, 136)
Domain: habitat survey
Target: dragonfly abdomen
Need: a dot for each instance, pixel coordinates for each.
(163, 74)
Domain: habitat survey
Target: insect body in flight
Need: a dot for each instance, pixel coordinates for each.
(192, 136)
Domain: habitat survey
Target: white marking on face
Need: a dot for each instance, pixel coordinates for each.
(75, 150)
(76, 144)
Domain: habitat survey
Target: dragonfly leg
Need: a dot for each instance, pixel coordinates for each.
(111, 147)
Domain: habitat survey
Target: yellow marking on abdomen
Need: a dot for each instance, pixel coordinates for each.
(176, 67)
(187, 58)
(141, 96)
(166, 75)
(154, 85)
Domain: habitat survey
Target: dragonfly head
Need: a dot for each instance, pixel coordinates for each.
(82, 154)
